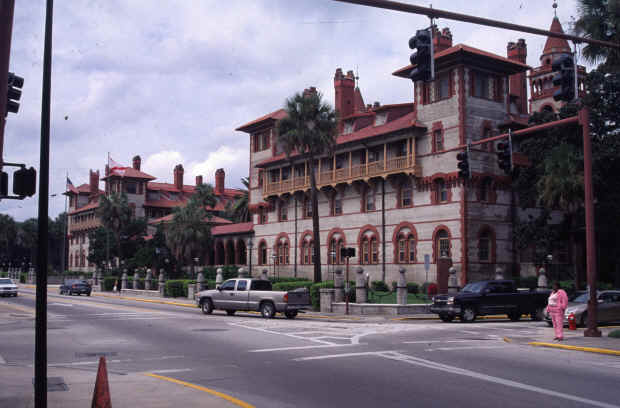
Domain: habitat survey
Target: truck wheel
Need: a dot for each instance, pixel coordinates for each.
(538, 314)
(267, 310)
(446, 317)
(290, 314)
(514, 316)
(206, 306)
(230, 312)
(468, 315)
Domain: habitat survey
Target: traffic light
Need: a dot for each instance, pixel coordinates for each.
(564, 67)
(504, 156)
(463, 165)
(4, 184)
(25, 182)
(14, 92)
(422, 57)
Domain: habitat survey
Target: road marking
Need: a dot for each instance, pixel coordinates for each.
(162, 358)
(442, 341)
(61, 304)
(302, 347)
(325, 357)
(469, 332)
(79, 363)
(171, 370)
(204, 389)
(462, 348)
(2, 360)
(394, 355)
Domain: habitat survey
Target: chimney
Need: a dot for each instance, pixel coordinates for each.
(310, 91)
(518, 88)
(344, 95)
(220, 177)
(377, 104)
(136, 162)
(178, 177)
(442, 40)
(198, 180)
(94, 183)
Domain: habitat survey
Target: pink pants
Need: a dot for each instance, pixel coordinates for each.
(557, 317)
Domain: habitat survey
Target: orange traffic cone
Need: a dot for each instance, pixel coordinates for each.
(101, 396)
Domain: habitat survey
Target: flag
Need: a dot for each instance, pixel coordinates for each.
(69, 184)
(116, 167)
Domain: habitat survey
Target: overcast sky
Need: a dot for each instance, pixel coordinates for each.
(171, 80)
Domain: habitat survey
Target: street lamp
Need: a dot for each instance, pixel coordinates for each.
(196, 260)
(274, 257)
(250, 246)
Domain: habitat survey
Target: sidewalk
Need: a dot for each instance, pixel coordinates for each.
(76, 386)
(574, 340)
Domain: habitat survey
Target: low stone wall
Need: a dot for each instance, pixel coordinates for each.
(380, 309)
(139, 292)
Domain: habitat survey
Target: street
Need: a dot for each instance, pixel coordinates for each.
(311, 362)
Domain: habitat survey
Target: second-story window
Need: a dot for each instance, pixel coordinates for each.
(262, 216)
(131, 188)
(480, 85)
(283, 210)
(336, 204)
(370, 200)
(307, 207)
(406, 194)
(438, 140)
(442, 87)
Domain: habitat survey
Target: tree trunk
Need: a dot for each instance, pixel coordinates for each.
(315, 223)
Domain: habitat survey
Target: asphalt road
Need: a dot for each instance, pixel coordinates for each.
(312, 363)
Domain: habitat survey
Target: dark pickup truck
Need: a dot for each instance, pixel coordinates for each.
(490, 297)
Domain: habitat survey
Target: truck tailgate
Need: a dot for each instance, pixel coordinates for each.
(299, 297)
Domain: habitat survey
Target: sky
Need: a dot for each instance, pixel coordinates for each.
(171, 80)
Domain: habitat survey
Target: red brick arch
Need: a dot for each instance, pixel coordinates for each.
(335, 231)
(413, 232)
(435, 232)
(363, 230)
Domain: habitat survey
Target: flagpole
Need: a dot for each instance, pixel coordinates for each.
(63, 264)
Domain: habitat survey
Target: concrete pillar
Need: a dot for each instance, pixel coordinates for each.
(200, 282)
(542, 279)
(147, 280)
(361, 291)
(124, 280)
(338, 285)
(136, 280)
(326, 299)
(401, 288)
(162, 283)
(100, 277)
(453, 281)
(190, 291)
(94, 278)
(242, 273)
(264, 274)
(219, 277)
(499, 273)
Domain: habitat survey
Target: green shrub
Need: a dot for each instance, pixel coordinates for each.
(228, 272)
(394, 286)
(175, 288)
(379, 286)
(286, 286)
(108, 283)
(23, 277)
(615, 334)
(287, 279)
(413, 288)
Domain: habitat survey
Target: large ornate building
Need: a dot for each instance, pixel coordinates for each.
(391, 189)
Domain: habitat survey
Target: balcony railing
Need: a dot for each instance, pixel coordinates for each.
(84, 225)
(346, 174)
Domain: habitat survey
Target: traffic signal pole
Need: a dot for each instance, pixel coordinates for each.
(7, 8)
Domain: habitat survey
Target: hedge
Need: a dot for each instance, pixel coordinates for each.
(287, 279)
(108, 283)
(286, 286)
(413, 287)
(228, 272)
(379, 286)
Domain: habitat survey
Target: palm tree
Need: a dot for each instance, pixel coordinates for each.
(8, 234)
(115, 214)
(189, 232)
(205, 195)
(561, 186)
(310, 129)
(598, 19)
(239, 211)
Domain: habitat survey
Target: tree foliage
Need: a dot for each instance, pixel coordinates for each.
(600, 20)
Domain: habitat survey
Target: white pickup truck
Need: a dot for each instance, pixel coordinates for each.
(7, 287)
(254, 295)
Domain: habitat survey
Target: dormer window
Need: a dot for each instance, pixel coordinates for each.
(348, 127)
(380, 119)
(480, 85)
(443, 87)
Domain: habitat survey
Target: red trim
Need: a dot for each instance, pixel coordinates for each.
(336, 231)
(363, 230)
(395, 235)
(461, 104)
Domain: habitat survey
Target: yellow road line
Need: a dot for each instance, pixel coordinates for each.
(578, 348)
(204, 389)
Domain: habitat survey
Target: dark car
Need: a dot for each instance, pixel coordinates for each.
(75, 286)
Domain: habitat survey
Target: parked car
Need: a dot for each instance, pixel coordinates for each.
(7, 287)
(608, 308)
(75, 286)
(253, 294)
(490, 297)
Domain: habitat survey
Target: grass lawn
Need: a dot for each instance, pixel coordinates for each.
(390, 298)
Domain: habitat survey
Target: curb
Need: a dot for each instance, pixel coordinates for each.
(577, 348)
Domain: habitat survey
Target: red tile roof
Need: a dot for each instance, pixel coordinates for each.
(164, 203)
(239, 228)
(507, 65)
(152, 185)
(404, 122)
(554, 44)
(215, 220)
(129, 172)
(277, 115)
(89, 206)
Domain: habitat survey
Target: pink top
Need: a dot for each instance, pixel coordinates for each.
(558, 300)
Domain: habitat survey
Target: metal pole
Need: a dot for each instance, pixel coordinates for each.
(6, 28)
(584, 120)
(448, 15)
(346, 294)
(63, 264)
(40, 351)
(383, 221)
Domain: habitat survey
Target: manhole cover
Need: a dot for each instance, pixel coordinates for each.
(55, 384)
(97, 354)
(209, 330)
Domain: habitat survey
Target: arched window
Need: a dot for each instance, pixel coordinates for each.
(281, 251)
(262, 253)
(369, 250)
(404, 242)
(442, 243)
(335, 245)
(307, 249)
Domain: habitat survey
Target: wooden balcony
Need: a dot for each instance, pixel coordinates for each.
(84, 225)
(402, 164)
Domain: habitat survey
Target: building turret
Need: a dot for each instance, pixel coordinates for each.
(178, 177)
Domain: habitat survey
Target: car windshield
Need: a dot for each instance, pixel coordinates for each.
(475, 287)
(583, 298)
(5, 281)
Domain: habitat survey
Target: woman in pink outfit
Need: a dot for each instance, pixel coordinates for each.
(558, 300)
